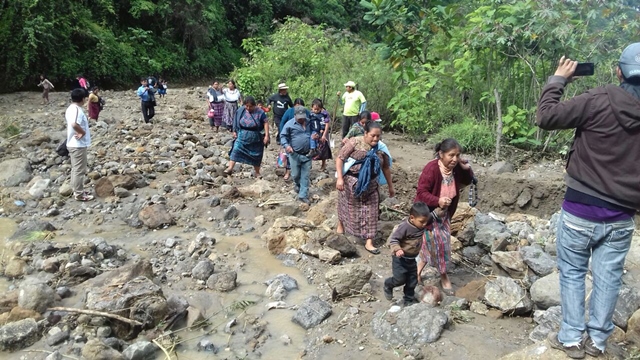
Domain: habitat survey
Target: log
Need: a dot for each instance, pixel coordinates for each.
(98, 313)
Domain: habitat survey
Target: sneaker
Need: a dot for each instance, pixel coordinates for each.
(410, 302)
(83, 197)
(388, 293)
(574, 352)
(305, 200)
(296, 188)
(590, 347)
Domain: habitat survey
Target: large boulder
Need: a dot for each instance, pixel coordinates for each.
(489, 230)
(342, 244)
(27, 228)
(138, 299)
(124, 181)
(348, 279)
(511, 262)
(415, 325)
(104, 188)
(545, 292)
(225, 281)
(155, 216)
(35, 296)
(202, 270)
(95, 349)
(628, 303)
(548, 320)
(13, 172)
(19, 335)
(38, 187)
(633, 328)
(312, 312)
(288, 232)
(506, 295)
(538, 260)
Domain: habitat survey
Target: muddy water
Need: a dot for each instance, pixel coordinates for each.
(253, 267)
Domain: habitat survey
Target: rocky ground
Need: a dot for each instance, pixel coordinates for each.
(173, 259)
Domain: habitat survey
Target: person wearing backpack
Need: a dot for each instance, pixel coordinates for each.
(78, 142)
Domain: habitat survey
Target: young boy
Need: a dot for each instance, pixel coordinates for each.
(317, 124)
(405, 243)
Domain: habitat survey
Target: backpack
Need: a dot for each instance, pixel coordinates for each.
(101, 103)
(62, 148)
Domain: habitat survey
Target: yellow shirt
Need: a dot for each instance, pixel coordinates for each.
(352, 101)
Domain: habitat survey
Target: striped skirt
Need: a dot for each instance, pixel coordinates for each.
(436, 249)
(358, 215)
(218, 109)
(229, 113)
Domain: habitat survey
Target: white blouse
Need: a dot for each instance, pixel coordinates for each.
(231, 95)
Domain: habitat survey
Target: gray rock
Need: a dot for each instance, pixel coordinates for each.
(524, 198)
(121, 192)
(140, 350)
(312, 312)
(230, 213)
(348, 279)
(489, 230)
(58, 338)
(64, 292)
(27, 228)
(207, 346)
(225, 281)
(545, 292)
(520, 229)
(214, 201)
(548, 320)
(177, 304)
(287, 281)
(501, 167)
(506, 295)
(329, 255)
(171, 242)
(37, 297)
(628, 303)
(202, 270)
(511, 262)
(95, 349)
(342, 244)
(538, 260)
(38, 188)
(103, 332)
(473, 253)
(14, 172)
(415, 325)
(276, 291)
(54, 356)
(18, 335)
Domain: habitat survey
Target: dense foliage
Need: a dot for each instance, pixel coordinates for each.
(314, 62)
(117, 41)
(452, 55)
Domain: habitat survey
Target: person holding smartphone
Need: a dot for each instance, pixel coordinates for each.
(596, 222)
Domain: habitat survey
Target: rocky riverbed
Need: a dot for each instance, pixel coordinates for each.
(173, 259)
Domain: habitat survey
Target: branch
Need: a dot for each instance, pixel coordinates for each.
(98, 313)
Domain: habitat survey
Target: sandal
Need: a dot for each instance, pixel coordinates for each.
(228, 171)
(287, 176)
(83, 197)
(374, 251)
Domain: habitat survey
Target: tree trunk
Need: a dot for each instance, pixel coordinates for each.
(499, 127)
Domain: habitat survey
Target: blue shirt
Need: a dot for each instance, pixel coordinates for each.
(295, 135)
(146, 95)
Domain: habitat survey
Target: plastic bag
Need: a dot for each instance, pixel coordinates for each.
(210, 114)
(282, 159)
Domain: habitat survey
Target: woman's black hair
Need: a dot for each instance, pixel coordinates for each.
(250, 100)
(370, 125)
(234, 83)
(365, 115)
(95, 88)
(298, 101)
(318, 103)
(419, 209)
(77, 95)
(447, 145)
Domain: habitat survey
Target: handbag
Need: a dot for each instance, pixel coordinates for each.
(62, 148)
(210, 113)
(282, 159)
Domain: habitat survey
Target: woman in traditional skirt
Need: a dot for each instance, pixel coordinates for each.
(248, 146)
(359, 165)
(439, 187)
(232, 99)
(216, 102)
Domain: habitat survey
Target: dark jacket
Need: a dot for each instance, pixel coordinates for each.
(604, 160)
(280, 104)
(430, 183)
(407, 237)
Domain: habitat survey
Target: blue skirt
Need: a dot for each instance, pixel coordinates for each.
(248, 148)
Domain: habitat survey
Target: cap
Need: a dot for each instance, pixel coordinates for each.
(630, 61)
(282, 86)
(300, 112)
(375, 116)
(350, 84)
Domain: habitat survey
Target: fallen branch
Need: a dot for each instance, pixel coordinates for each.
(274, 202)
(98, 313)
(394, 210)
(51, 352)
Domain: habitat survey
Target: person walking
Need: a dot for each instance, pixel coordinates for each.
(288, 115)
(249, 144)
(360, 165)
(596, 223)
(281, 103)
(78, 141)
(324, 145)
(46, 87)
(439, 187)
(295, 138)
(147, 100)
(354, 103)
(232, 99)
(94, 104)
(216, 103)
(82, 82)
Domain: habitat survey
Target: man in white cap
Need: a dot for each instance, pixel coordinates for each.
(281, 101)
(354, 103)
(603, 194)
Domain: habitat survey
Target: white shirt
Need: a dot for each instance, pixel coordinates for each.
(75, 115)
(231, 95)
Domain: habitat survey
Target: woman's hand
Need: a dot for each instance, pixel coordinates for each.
(340, 185)
(323, 139)
(266, 139)
(235, 135)
(464, 164)
(444, 202)
(392, 191)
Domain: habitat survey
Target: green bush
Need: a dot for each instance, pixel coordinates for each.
(474, 136)
(314, 62)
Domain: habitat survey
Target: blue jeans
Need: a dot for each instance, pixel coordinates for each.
(313, 144)
(300, 169)
(607, 245)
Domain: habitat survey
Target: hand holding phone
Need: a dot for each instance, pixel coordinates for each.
(584, 69)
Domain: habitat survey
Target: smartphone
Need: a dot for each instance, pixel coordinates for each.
(584, 69)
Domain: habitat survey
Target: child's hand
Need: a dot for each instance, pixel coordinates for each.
(400, 253)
